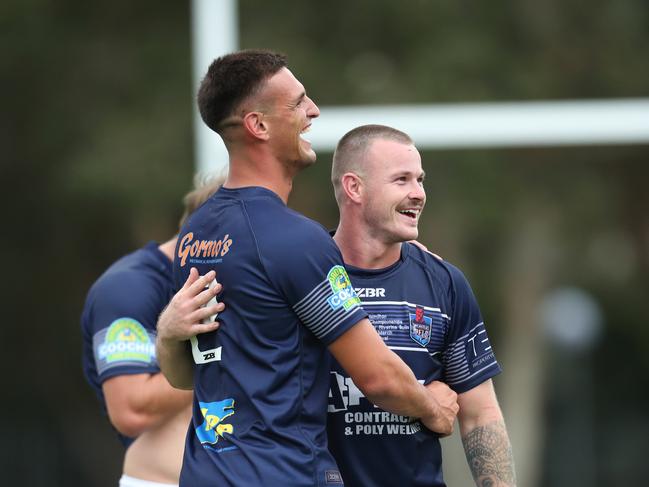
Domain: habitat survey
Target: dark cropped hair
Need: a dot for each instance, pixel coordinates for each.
(232, 78)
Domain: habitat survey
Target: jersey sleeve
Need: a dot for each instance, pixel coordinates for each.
(308, 270)
(122, 320)
(468, 357)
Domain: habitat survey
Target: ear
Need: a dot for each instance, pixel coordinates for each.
(255, 125)
(352, 186)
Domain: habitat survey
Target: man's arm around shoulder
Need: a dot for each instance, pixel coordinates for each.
(389, 383)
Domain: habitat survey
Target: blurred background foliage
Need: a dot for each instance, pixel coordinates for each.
(96, 132)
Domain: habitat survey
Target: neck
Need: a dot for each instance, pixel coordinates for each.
(168, 248)
(361, 249)
(256, 168)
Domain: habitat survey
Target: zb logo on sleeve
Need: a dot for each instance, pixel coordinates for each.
(342, 289)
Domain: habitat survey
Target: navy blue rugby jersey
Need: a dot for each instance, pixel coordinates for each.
(261, 381)
(425, 311)
(119, 318)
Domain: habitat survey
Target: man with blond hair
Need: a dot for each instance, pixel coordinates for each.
(119, 359)
(424, 310)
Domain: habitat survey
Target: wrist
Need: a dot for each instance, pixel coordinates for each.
(169, 340)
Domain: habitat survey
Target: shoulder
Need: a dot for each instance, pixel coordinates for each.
(306, 230)
(432, 262)
(133, 270)
(445, 273)
(284, 228)
(120, 282)
(134, 280)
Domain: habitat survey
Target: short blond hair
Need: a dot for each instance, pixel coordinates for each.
(350, 152)
(205, 185)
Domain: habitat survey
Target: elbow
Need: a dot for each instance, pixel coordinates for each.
(470, 419)
(178, 383)
(379, 386)
(130, 423)
(386, 380)
(178, 377)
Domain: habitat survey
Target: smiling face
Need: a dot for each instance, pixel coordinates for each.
(393, 193)
(288, 117)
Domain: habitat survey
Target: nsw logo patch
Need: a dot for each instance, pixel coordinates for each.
(421, 326)
(343, 292)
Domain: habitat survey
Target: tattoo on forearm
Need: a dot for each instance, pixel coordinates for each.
(489, 455)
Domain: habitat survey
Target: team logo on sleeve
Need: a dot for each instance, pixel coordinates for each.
(342, 289)
(125, 341)
(421, 326)
(478, 349)
(213, 427)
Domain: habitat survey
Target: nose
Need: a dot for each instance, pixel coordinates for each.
(418, 192)
(313, 110)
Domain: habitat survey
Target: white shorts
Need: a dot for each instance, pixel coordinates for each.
(127, 481)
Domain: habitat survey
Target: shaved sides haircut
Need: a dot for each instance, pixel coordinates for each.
(230, 80)
(350, 151)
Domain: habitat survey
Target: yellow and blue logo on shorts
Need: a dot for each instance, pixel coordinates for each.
(213, 428)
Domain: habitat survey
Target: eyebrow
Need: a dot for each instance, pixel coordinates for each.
(408, 173)
(299, 98)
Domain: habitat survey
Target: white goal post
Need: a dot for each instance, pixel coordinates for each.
(442, 126)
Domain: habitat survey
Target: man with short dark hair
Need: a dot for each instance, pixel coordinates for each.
(261, 383)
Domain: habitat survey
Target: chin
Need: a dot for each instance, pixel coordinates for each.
(308, 159)
(411, 235)
(401, 237)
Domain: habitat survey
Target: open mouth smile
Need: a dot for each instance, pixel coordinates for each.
(411, 212)
(304, 131)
